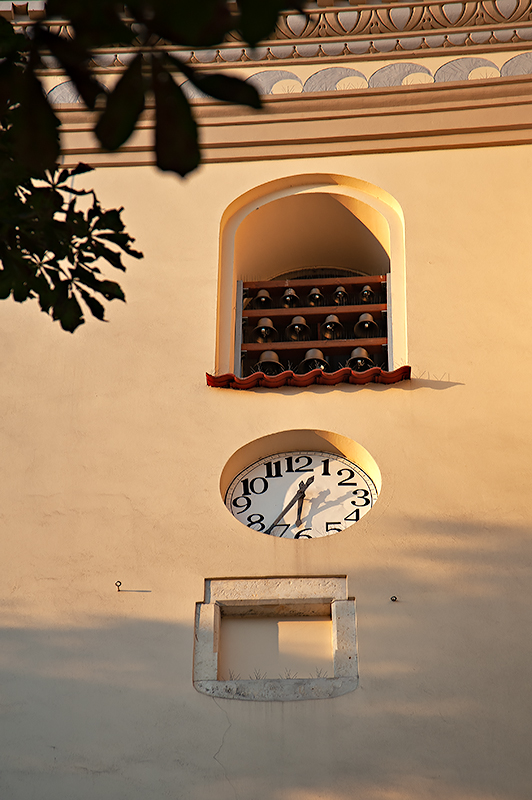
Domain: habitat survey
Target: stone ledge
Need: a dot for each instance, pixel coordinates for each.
(282, 689)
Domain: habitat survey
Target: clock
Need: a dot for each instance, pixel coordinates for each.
(302, 494)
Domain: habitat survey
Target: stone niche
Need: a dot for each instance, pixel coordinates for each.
(287, 624)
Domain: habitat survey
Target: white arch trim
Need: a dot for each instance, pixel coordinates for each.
(344, 185)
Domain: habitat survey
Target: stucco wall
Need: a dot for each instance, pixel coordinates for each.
(112, 449)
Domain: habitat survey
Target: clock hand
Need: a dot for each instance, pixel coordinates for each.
(299, 509)
(299, 494)
(302, 489)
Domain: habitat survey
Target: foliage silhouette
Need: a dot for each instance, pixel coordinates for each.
(49, 247)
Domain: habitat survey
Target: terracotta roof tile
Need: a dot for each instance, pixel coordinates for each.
(316, 376)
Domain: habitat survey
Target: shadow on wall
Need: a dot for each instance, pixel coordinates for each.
(442, 711)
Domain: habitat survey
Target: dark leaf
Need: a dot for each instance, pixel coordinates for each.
(78, 192)
(80, 169)
(44, 201)
(232, 90)
(122, 240)
(114, 258)
(74, 59)
(21, 278)
(109, 219)
(36, 139)
(9, 82)
(258, 17)
(45, 294)
(96, 308)
(5, 284)
(111, 290)
(176, 137)
(68, 311)
(124, 105)
(10, 42)
(195, 24)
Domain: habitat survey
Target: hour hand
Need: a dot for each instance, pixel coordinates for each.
(301, 497)
(299, 510)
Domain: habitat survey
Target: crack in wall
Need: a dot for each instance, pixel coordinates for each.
(215, 756)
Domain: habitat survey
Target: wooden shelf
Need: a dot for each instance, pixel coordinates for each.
(327, 345)
(313, 311)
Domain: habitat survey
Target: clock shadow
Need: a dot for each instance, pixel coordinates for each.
(319, 502)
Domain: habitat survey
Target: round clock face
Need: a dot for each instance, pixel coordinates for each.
(300, 495)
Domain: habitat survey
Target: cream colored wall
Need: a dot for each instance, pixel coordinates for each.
(113, 447)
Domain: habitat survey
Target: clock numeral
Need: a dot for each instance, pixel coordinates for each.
(351, 518)
(333, 526)
(273, 469)
(251, 487)
(257, 521)
(361, 494)
(284, 525)
(302, 468)
(236, 504)
(302, 534)
(325, 470)
(349, 480)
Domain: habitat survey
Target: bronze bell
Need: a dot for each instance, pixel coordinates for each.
(332, 328)
(262, 299)
(340, 296)
(265, 332)
(313, 360)
(366, 327)
(289, 299)
(360, 360)
(269, 363)
(298, 330)
(315, 298)
(366, 295)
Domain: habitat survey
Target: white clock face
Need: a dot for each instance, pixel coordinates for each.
(301, 495)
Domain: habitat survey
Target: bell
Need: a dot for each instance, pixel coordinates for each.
(313, 360)
(366, 295)
(360, 360)
(289, 299)
(298, 330)
(340, 296)
(262, 299)
(265, 333)
(366, 327)
(315, 298)
(269, 363)
(332, 328)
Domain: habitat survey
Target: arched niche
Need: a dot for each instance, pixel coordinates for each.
(309, 230)
(307, 222)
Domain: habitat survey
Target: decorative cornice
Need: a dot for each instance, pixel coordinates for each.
(354, 33)
(362, 31)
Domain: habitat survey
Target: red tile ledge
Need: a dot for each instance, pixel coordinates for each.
(317, 376)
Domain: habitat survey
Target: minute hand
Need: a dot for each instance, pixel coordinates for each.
(300, 493)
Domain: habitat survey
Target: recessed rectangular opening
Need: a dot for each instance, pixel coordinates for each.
(255, 648)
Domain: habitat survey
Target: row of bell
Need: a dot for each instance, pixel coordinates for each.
(315, 297)
(270, 364)
(299, 331)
